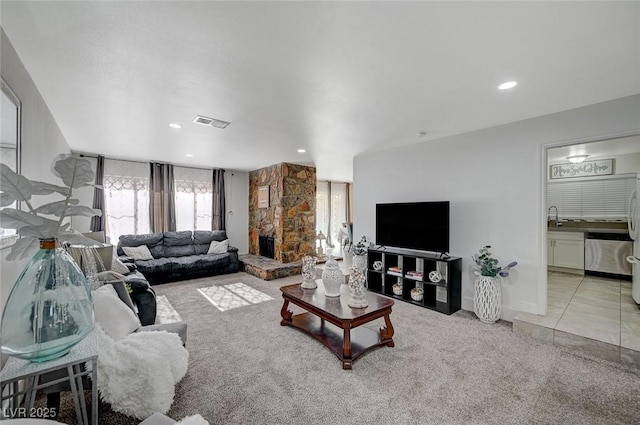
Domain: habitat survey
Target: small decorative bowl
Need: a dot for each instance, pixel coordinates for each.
(397, 289)
(417, 294)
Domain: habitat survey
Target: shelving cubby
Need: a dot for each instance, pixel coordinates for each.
(444, 296)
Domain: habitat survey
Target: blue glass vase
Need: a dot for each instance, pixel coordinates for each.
(49, 309)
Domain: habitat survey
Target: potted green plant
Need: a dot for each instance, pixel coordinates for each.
(359, 252)
(487, 300)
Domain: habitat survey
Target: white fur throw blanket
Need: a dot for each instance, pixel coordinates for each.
(137, 374)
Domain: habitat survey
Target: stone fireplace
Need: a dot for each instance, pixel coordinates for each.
(267, 246)
(289, 217)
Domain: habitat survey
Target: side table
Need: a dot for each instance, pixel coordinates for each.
(15, 370)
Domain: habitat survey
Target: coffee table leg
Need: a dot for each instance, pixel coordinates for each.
(387, 332)
(346, 348)
(286, 314)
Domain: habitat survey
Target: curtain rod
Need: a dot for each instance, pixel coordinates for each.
(84, 155)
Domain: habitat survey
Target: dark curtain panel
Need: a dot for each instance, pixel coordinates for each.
(162, 208)
(97, 223)
(218, 205)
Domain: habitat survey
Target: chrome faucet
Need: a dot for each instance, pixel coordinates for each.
(553, 223)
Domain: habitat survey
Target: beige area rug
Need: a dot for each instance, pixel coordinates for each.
(233, 296)
(165, 313)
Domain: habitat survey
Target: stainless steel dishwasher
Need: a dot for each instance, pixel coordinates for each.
(606, 253)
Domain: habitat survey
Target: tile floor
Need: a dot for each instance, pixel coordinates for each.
(590, 307)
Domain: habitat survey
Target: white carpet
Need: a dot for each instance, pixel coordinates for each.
(165, 313)
(233, 295)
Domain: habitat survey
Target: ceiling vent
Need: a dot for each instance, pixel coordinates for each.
(199, 119)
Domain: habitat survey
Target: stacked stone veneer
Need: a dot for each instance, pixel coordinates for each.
(291, 216)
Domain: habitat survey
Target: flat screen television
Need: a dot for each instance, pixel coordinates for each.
(422, 226)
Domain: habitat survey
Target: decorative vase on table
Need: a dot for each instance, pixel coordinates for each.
(49, 309)
(487, 301)
(356, 287)
(309, 272)
(332, 278)
(360, 261)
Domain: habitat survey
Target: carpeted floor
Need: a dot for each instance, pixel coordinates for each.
(245, 368)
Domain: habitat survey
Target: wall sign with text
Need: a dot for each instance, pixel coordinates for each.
(600, 167)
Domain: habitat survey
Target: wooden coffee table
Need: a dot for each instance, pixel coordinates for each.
(342, 333)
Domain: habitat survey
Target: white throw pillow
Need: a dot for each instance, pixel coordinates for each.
(115, 317)
(218, 247)
(119, 267)
(193, 420)
(138, 252)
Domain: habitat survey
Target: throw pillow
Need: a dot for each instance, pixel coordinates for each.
(115, 317)
(118, 266)
(218, 247)
(138, 252)
(193, 420)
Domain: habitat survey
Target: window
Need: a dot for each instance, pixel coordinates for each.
(331, 210)
(126, 196)
(592, 198)
(193, 196)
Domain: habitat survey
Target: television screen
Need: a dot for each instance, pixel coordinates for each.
(415, 225)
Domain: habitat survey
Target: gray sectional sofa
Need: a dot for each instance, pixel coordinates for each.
(180, 255)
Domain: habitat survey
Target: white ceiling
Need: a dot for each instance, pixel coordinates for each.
(335, 78)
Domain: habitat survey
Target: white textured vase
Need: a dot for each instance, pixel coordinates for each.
(487, 301)
(360, 262)
(309, 272)
(357, 280)
(332, 278)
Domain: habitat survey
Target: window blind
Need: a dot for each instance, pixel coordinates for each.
(603, 198)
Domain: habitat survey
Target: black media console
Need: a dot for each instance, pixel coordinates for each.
(401, 271)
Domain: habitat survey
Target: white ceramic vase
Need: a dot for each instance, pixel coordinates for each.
(332, 278)
(487, 301)
(360, 261)
(356, 287)
(309, 272)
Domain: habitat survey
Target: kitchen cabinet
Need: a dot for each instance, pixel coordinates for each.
(565, 249)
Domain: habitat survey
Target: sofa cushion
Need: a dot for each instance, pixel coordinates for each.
(215, 261)
(202, 239)
(179, 251)
(138, 252)
(185, 264)
(154, 267)
(151, 240)
(206, 236)
(177, 238)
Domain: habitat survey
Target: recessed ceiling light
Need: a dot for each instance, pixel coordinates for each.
(508, 85)
(577, 158)
(175, 125)
(188, 155)
(302, 150)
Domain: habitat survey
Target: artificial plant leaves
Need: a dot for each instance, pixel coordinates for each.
(32, 223)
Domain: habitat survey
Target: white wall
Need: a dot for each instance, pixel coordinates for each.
(42, 140)
(236, 184)
(494, 180)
